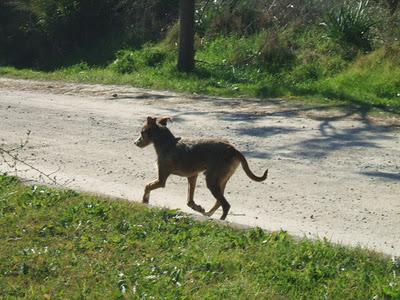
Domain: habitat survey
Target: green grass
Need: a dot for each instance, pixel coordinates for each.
(372, 80)
(60, 244)
(268, 64)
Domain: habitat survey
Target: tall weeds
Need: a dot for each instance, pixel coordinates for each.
(351, 24)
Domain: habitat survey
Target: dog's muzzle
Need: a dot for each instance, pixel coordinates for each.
(139, 142)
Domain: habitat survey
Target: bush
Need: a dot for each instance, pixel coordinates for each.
(351, 24)
(153, 56)
(276, 52)
(125, 62)
(227, 17)
(50, 33)
(246, 17)
(129, 61)
(270, 51)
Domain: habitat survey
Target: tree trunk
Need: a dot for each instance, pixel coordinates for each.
(186, 36)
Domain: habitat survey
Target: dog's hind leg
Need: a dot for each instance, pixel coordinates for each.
(213, 209)
(217, 203)
(190, 201)
(216, 184)
(221, 201)
(216, 188)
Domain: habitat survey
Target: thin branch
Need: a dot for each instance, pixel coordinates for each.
(16, 159)
(11, 159)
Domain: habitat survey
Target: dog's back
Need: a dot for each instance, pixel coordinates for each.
(194, 156)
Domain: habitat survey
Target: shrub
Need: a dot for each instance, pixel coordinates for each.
(125, 62)
(49, 33)
(128, 61)
(227, 17)
(276, 53)
(82, 66)
(351, 24)
(246, 17)
(153, 56)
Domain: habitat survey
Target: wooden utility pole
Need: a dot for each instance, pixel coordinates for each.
(186, 36)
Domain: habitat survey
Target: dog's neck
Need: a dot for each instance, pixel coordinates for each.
(164, 141)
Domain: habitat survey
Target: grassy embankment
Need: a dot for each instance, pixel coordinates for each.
(292, 65)
(62, 244)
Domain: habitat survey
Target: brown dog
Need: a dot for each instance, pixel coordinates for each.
(216, 158)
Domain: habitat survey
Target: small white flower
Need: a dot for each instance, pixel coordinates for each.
(123, 289)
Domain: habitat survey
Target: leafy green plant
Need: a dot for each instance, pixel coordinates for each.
(351, 24)
(129, 61)
(125, 62)
(153, 56)
(276, 53)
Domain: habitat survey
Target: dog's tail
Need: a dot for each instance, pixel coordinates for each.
(247, 170)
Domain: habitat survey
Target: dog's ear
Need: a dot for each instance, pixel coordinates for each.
(163, 121)
(151, 121)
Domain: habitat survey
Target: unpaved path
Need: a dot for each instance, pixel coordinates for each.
(332, 174)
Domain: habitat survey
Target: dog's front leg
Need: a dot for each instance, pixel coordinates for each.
(160, 182)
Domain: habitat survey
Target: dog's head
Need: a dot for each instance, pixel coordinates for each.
(151, 131)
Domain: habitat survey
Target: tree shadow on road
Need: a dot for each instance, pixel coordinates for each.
(383, 175)
(333, 138)
(330, 137)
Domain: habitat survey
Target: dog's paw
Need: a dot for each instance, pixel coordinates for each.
(145, 199)
(196, 207)
(207, 214)
(201, 210)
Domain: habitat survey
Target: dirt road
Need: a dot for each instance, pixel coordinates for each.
(332, 174)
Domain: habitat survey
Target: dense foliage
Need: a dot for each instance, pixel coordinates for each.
(47, 33)
(335, 50)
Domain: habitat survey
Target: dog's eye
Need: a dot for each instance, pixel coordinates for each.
(145, 133)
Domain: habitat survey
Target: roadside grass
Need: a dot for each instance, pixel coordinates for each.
(372, 80)
(284, 64)
(58, 244)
